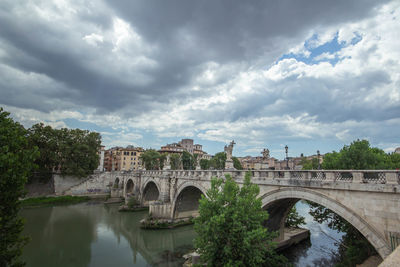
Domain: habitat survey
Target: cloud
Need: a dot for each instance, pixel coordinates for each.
(213, 71)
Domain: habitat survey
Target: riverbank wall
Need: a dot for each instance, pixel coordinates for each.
(97, 183)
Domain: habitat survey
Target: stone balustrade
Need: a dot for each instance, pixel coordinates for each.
(346, 176)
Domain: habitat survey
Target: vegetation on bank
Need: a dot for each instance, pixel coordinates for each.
(132, 205)
(42, 201)
(68, 151)
(231, 228)
(16, 163)
(154, 224)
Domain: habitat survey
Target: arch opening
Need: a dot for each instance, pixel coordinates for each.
(116, 183)
(150, 193)
(129, 187)
(187, 203)
(279, 203)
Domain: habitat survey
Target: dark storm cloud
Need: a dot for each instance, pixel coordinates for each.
(232, 30)
(185, 33)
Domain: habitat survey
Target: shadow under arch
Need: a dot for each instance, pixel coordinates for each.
(187, 199)
(279, 202)
(129, 186)
(116, 182)
(150, 191)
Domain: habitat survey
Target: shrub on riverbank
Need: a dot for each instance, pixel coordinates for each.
(151, 223)
(39, 201)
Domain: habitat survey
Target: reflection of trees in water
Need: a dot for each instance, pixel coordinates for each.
(156, 246)
(55, 233)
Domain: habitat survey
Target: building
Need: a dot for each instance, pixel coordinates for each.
(172, 148)
(397, 150)
(185, 145)
(123, 159)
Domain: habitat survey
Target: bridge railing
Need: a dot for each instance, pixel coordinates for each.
(346, 176)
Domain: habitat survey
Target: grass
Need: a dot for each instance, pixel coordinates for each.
(42, 201)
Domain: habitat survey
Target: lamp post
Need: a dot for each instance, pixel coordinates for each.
(287, 158)
(319, 164)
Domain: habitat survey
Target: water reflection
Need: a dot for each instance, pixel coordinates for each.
(97, 235)
(55, 233)
(321, 249)
(91, 234)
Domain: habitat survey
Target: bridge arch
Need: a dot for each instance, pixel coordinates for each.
(116, 183)
(186, 200)
(129, 186)
(279, 202)
(150, 191)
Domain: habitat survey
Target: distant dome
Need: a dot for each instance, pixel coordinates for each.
(397, 150)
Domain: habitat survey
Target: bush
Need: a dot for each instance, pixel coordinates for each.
(231, 228)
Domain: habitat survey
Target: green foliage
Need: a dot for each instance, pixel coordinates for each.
(393, 161)
(294, 219)
(175, 161)
(218, 161)
(162, 159)
(16, 163)
(188, 161)
(132, 202)
(236, 163)
(150, 158)
(230, 226)
(309, 164)
(72, 151)
(360, 156)
(204, 164)
(40, 201)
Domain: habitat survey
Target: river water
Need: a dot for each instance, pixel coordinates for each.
(93, 234)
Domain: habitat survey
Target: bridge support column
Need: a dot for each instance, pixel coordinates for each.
(164, 191)
(160, 210)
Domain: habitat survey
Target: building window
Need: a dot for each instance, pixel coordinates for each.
(134, 153)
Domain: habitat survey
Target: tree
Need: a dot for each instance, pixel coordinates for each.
(162, 159)
(230, 226)
(150, 158)
(175, 160)
(218, 161)
(70, 151)
(236, 163)
(294, 219)
(204, 164)
(357, 156)
(188, 161)
(309, 164)
(16, 163)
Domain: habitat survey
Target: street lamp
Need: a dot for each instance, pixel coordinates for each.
(287, 158)
(319, 164)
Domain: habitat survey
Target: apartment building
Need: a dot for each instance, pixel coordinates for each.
(123, 159)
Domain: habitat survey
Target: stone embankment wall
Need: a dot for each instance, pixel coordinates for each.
(98, 183)
(37, 189)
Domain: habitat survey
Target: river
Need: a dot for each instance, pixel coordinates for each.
(93, 234)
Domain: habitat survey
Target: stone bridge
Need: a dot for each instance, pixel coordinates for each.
(369, 200)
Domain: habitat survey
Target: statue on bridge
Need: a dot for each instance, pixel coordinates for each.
(228, 150)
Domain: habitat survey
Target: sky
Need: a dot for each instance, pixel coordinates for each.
(312, 75)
